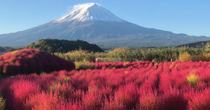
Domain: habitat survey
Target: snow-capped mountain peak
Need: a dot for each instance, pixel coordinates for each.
(89, 12)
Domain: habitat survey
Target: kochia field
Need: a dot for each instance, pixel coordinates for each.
(113, 86)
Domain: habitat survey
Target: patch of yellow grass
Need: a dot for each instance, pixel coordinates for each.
(192, 79)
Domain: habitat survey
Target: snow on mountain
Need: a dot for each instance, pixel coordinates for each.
(89, 12)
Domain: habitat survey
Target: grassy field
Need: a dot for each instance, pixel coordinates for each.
(127, 54)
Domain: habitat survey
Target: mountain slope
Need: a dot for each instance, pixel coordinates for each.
(92, 23)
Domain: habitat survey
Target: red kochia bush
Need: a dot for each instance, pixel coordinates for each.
(20, 91)
(127, 95)
(43, 101)
(160, 86)
(173, 100)
(32, 61)
(200, 101)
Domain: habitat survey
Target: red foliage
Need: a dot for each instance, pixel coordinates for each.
(32, 61)
(43, 101)
(136, 85)
(92, 101)
(200, 100)
(173, 100)
(127, 95)
(113, 104)
(70, 106)
(21, 91)
(149, 100)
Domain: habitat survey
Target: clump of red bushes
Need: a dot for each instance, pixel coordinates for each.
(27, 61)
(162, 86)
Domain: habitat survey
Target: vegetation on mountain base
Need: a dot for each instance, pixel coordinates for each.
(128, 54)
(63, 46)
(5, 49)
(199, 44)
(2, 49)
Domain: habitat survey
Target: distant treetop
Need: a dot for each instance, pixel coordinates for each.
(199, 44)
(63, 46)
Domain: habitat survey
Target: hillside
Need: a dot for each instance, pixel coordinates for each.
(2, 49)
(63, 46)
(5, 49)
(199, 44)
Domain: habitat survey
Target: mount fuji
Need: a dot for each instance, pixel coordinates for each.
(93, 23)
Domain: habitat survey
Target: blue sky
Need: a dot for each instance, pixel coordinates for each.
(191, 17)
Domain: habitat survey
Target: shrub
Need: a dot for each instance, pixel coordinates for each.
(200, 101)
(28, 61)
(65, 90)
(20, 91)
(192, 79)
(92, 101)
(206, 56)
(70, 106)
(149, 101)
(198, 57)
(185, 57)
(2, 103)
(43, 101)
(113, 104)
(173, 100)
(77, 56)
(127, 95)
(121, 54)
(84, 65)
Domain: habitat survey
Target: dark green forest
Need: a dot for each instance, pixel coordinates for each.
(5, 49)
(2, 49)
(199, 44)
(63, 46)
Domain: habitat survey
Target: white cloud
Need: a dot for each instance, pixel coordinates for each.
(78, 6)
